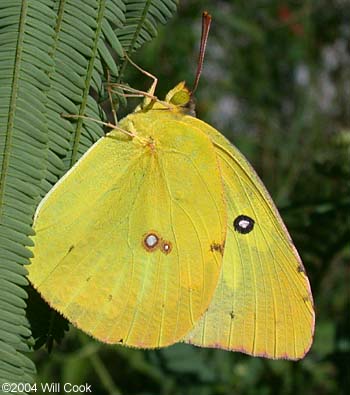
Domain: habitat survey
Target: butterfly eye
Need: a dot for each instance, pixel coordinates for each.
(150, 241)
(243, 224)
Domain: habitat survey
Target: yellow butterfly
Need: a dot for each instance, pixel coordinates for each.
(162, 232)
(129, 242)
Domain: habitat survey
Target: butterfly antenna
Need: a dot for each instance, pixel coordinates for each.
(206, 21)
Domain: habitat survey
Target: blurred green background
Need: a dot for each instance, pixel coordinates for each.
(276, 82)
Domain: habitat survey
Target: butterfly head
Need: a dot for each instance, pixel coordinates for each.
(178, 99)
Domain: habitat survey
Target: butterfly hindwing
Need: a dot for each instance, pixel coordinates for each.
(263, 304)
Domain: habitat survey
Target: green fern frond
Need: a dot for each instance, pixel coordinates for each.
(142, 18)
(74, 56)
(24, 65)
(82, 31)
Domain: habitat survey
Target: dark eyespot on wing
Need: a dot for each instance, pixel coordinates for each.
(151, 241)
(166, 247)
(243, 224)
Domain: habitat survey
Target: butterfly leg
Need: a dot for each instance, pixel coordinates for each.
(153, 77)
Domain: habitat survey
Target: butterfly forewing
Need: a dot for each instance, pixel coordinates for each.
(123, 241)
